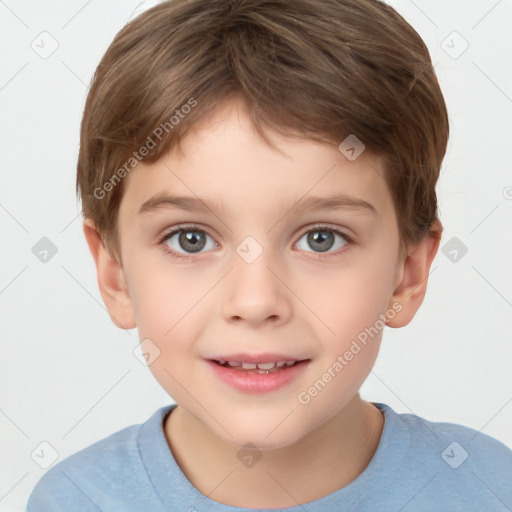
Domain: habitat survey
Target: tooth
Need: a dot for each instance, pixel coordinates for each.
(266, 366)
(280, 363)
(248, 366)
(221, 361)
(289, 363)
(234, 363)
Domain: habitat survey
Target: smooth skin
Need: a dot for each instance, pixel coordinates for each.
(294, 299)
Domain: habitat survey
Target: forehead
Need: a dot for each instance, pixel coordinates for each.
(225, 164)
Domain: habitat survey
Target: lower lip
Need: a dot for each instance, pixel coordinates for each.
(250, 382)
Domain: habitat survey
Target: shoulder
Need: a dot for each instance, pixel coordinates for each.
(110, 470)
(456, 463)
(458, 443)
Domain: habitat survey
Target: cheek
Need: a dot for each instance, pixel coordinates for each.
(350, 298)
(169, 312)
(350, 308)
(166, 300)
(173, 308)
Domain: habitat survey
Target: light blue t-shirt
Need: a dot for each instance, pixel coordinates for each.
(418, 466)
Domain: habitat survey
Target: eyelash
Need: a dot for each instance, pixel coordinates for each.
(180, 257)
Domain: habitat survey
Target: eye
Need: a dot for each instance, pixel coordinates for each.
(190, 239)
(322, 239)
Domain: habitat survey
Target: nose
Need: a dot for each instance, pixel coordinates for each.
(256, 293)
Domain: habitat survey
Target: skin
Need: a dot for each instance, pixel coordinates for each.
(289, 300)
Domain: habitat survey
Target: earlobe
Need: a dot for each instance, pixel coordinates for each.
(414, 273)
(111, 280)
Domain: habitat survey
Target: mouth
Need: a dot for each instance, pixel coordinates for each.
(264, 374)
(258, 368)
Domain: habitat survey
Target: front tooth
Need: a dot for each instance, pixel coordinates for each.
(266, 366)
(280, 363)
(248, 366)
(234, 363)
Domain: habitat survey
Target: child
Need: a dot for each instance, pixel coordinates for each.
(221, 141)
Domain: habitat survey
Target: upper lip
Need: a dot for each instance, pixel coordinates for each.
(257, 358)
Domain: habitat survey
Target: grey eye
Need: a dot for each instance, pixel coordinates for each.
(322, 240)
(188, 240)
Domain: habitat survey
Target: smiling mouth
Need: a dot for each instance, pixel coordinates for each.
(265, 368)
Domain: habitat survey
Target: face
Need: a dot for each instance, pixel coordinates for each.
(260, 270)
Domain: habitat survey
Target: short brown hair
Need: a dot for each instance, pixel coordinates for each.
(321, 69)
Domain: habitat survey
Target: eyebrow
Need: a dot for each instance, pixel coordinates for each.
(311, 203)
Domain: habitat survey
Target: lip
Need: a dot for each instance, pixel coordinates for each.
(249, 382)
(257, 358)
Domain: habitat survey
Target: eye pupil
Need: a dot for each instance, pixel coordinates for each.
(192, 240)
(321, 237)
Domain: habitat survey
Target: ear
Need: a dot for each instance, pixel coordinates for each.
(111, 280)
(413, 275)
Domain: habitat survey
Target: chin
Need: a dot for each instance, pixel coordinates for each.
(270, 435)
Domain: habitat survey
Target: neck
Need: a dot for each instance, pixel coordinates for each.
(320, 463)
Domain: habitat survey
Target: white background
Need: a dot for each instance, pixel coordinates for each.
(68, 375)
